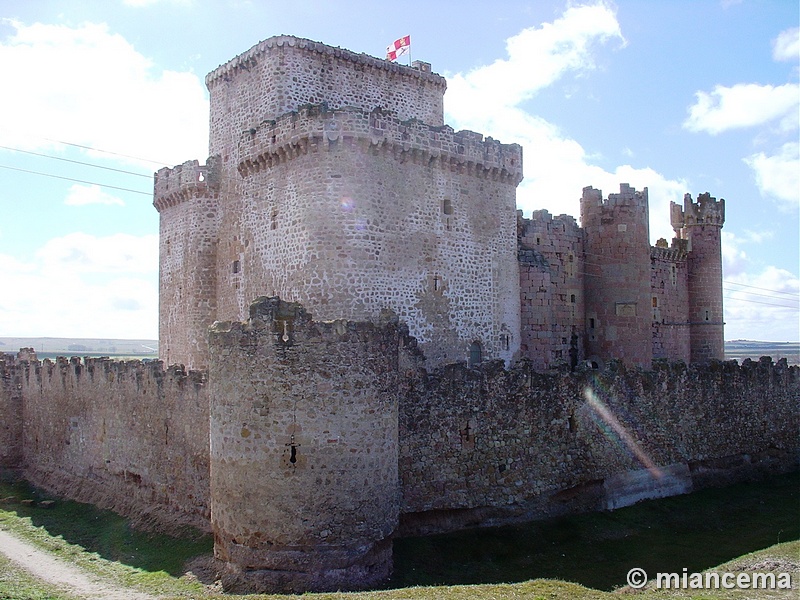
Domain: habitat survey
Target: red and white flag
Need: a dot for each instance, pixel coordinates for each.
(398, 48)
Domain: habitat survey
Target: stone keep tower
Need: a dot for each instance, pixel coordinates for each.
(617, 281)
(337, 185)
(700, 224)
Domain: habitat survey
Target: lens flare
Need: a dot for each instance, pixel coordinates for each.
(617, 433)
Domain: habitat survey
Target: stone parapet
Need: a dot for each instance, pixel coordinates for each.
(245, 61)
(315, 128)
(674, 254)
(189, 180)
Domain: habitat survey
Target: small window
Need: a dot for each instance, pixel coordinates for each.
(437, 283)
(274, 219)
(707, 316)
(236, 266)
(572, 298)
(447, 206)
(655, 302)
(591, 323)
(475, 354)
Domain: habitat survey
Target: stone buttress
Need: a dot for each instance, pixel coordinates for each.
(304, 451)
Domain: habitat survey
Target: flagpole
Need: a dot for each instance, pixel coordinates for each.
(409, 50)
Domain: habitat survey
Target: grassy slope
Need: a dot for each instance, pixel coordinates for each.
(112, 538)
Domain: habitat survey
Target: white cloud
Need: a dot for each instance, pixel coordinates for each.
(744, 105)
(778, 176)
(787, 45)
(762, 305)
(557, 168)
(83, 286)
(81, 195)
(759, 304)
(83, 253)
(147, 3)
(88, 86)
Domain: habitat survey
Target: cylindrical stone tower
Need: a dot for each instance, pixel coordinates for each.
(617, 284)
(304, 468)
(702, 228)
(187, 199)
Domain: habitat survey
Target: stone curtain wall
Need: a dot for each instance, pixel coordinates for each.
(487, 445)
(10, 413)
(323, 435)
(122, 435)
(304, 428)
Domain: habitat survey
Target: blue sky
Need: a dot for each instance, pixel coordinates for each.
(678, 96)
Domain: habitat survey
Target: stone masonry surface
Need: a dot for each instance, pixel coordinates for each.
(377, 439)
(464, 365)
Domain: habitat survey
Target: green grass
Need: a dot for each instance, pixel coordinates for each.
(595, 550)
(696, 531)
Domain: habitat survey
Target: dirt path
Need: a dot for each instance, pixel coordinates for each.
(59, 572)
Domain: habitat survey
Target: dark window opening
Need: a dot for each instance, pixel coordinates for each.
(655, 302)
(475, 354)
(236, 266)
(274, 219)
(572, 298)
(447, 206)
(591, 323)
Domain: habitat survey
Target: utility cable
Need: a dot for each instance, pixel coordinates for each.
(113, 187)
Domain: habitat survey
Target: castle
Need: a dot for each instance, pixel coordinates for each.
(335, 183)
(379, 344)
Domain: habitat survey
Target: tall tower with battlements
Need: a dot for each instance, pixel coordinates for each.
(617, 276)
(700, 224)
(337, 185)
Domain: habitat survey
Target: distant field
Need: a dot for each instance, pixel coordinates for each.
(741, 349)
(47, 347)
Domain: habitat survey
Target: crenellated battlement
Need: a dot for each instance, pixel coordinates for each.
(628, 196)
(706, 211)
(247, 60)
(189, 180)
(315, 128)
(543, 218)
(674, 254)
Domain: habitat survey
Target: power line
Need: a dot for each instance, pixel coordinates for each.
(77, 162)
(759, 302)
(93, 149)
(761, 288)
(113, 187)
(757, 294)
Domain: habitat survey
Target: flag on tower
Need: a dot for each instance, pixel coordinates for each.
(398, 48)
